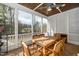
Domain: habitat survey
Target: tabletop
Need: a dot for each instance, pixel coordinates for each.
(44, 42)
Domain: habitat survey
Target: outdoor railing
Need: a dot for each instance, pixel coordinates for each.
(11, 43)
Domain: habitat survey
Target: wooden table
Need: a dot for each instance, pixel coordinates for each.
(44, 43)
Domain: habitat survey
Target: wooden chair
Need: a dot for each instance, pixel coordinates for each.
(58, 49)
(28, 52)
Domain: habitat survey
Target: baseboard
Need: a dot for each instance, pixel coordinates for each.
(74, 42)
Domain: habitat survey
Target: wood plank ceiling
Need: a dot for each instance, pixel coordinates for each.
(44, 11)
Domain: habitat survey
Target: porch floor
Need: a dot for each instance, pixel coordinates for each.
(70, 50)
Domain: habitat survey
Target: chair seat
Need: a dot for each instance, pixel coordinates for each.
(32, 47)
(37, 54)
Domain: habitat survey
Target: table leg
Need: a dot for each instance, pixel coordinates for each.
(44, 51)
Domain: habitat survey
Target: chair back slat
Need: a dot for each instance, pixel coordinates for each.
(26, 51)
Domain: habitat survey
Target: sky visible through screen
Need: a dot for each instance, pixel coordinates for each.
(25, 17)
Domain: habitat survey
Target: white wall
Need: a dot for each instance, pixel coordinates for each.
(67, 22)
(57, 22)
(52, 21)
(74, 26)
(61, 23)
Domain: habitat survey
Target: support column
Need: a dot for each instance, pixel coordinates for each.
(41, 24)
(33, 18)
(16, 26)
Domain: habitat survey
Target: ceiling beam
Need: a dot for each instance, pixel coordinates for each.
(57, 8)
(38, 6)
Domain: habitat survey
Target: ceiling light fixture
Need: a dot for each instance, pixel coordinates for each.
(63, 5)
(49, 8)
(58, 7)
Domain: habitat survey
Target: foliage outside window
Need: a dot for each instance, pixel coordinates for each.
(7, 18)
(24, 22)
(37, 24)
(44, 25)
